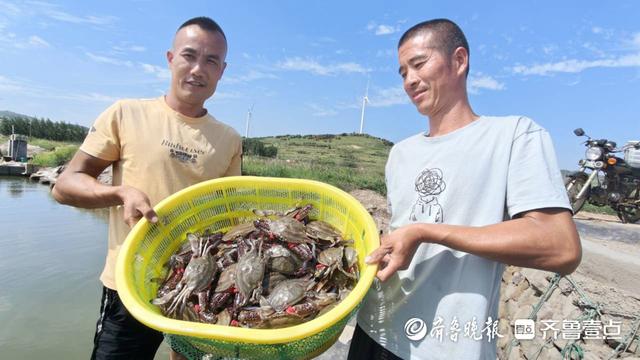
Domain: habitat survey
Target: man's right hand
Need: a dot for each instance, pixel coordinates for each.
(136, 204)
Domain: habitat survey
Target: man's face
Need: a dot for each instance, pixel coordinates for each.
(428, 75)
(196, 63)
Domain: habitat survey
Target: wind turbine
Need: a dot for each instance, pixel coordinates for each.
(365, 100)
(246, 129)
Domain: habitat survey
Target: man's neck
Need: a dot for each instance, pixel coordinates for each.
(189, 110)
(457, 116)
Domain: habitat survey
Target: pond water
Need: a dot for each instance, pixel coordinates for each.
(50, 259)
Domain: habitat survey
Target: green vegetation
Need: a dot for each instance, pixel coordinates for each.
(348, 161)
(598, 209)
(56, 154)
(252, 146)
(59, 156)
(41, 128)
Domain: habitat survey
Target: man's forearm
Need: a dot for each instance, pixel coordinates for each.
(84, 191)
(546, 242)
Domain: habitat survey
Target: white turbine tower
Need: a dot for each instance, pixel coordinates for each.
(246, 129)
(365, 100)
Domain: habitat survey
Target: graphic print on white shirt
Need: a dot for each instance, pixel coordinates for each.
(427, 209)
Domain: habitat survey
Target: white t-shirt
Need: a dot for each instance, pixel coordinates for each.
(482, 174)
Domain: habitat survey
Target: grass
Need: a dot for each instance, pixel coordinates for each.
(344, 178)
(48, 145)
(57, 152)
(59, 156)
(347, 161)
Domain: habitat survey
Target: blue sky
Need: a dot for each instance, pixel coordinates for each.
(305, 64)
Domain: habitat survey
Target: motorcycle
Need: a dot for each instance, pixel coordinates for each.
(605, 179)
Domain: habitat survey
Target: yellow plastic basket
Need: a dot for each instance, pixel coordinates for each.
(218, 205)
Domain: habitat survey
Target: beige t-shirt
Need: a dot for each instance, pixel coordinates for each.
(158, 151)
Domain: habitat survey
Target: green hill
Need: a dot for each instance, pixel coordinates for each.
(348, 161)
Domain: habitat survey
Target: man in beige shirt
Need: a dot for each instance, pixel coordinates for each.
(156, 147)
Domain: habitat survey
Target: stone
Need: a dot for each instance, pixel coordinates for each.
(537, 278)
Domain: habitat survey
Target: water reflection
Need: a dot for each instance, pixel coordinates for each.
(15, 188)
(50, 259)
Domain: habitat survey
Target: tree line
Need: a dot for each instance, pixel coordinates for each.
(42, 128)
(252, 146)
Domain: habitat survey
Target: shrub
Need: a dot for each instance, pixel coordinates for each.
(256, 147)
(57, 157)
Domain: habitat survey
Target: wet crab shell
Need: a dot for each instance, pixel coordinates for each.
(249, 273)
(286, 293)
(240, 230)
(288, 229)
(323, 231)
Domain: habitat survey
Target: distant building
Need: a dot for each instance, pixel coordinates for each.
(17, 147)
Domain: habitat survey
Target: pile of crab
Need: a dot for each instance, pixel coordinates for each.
(276, 271)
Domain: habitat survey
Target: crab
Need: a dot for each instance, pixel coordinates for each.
(239, 231)
(225, 288)
(260, 317)
(315, 303)
(329, 261)
(248, 276)
(272, 280)
(282, 260)
(284, 228)
(291, 231)
(298, 213)
(196, 278)
(267, 316)
(286, 293)
(323, 231)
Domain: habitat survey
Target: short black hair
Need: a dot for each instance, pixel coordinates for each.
(447, 35)
(205, 23)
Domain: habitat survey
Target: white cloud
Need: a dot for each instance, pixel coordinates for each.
(388, 97)
(37, 41)
(314, 67)
(576, 66)
(387, 53)
(129, 48)
(605, 33)
(9, 8)
(480, 81)
(108, 60)
(635, 40)
(549, 49)
(382, 29)
(91, 97)
(27, 89)
(327, 39)
(385, 30)
(34, 41)
(252, 75)
(89, 19)
(159, 71)
(223, 95)
(7, 84)
(320, 111)
(595, 49)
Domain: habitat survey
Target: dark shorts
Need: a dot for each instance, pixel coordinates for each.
(364, 347)
(119, 335)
